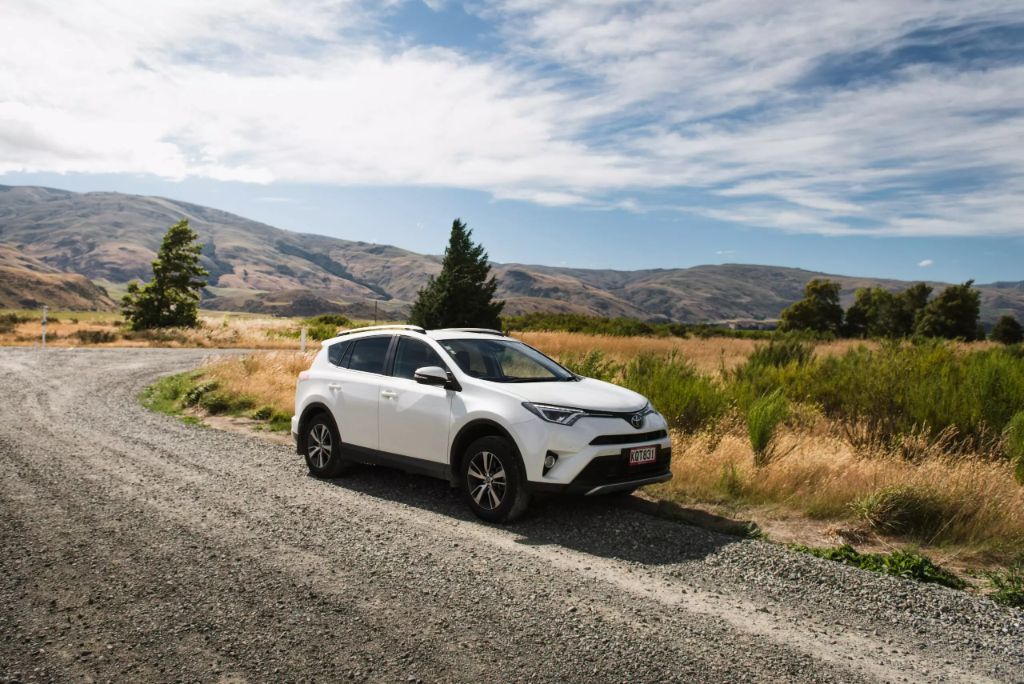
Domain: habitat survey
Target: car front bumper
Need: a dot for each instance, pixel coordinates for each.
(611, 473)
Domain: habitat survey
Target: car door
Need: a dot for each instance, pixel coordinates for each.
(354, 386)
(414, 418)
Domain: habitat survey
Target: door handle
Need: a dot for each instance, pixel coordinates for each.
(388, 394)
(334, 386)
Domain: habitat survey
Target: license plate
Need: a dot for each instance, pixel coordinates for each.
(641, 455)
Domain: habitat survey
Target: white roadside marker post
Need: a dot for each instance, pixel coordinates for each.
(302, 340)
(44, 325)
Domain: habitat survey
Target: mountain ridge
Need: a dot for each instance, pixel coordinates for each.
(112, 237)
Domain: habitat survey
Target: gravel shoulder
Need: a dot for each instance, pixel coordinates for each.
(136, 547)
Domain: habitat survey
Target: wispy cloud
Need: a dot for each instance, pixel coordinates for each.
(925, 263)
(835, 119)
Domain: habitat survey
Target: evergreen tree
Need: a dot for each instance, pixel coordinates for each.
(462, 294)
(1007, 330)
(953, 314)
(818, 311)
(171, 298)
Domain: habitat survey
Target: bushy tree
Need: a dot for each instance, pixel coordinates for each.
(171, 298)
(871, 314)
(876, 312)
(462, 294)
(1007, 330)
(953, 314)
(912, 301)
(818, 311)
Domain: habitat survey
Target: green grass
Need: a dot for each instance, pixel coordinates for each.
(688, 399)
(1008, 585)
(900, 389)
(764, 416)
(175, 394)
(899, 563)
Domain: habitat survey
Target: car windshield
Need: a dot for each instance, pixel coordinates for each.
(504, 361)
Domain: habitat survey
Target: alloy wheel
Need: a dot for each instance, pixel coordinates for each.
(487, 482)
(319, 448)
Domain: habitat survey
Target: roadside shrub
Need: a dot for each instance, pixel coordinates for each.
(593, 364)
(215, 402)
(782, 350)
(263, 413)
(687, 399)
(95, 336)
(1015, 444)
(336, 320)
(763, 418)
(900, 563)
(10, 321)
(196, 392)
(1008, 585)
(899, 389)
(911, 511)
(166, 394)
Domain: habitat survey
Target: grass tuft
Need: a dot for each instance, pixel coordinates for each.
(763, 417)
(899, 563)
(1008, 585)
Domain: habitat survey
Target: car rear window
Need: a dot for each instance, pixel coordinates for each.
(369, 354)
(336, 353)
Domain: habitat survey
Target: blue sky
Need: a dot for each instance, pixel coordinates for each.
(870, 138)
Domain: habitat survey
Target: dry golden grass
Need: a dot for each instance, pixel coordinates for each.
(268, 378)
(822, 476)
(708, 355)
(224, 331)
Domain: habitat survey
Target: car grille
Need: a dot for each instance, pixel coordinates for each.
(612, 469)
(634, 438)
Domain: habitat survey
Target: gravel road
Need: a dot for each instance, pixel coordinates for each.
(139, 548)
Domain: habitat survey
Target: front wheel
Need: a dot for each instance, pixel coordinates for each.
(323, 448)
(492, 481)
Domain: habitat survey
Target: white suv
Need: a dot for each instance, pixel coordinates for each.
(490, 414)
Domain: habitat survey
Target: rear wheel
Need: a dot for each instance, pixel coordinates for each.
(323, 448)
(492, 480)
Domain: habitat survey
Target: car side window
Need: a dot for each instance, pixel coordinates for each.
(413, 354)
(369, 354)
(336, 353)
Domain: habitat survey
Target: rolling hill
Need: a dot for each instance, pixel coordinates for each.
(111, 238)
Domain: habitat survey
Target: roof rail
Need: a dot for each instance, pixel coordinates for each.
(414, 328)
(482, 331)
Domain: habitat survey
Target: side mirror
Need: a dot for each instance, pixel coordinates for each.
(431, 375)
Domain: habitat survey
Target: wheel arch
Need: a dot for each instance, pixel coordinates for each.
(469, 433)
(313, 409)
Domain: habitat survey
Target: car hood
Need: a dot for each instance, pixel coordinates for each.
(586, 394)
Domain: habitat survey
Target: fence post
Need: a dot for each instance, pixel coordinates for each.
(302, 340)
(45, 308)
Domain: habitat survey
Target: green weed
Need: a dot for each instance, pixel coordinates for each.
(900, 563)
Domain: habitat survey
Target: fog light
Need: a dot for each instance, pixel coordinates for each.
(549, 460)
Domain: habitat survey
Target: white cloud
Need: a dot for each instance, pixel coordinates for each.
(627, 97)
(925, 263)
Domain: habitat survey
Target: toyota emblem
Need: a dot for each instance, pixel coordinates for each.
(637, 420)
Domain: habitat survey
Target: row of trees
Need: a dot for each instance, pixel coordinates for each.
(462, 295)
(876, 312)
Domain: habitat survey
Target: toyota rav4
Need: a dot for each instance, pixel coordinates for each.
(492, 415)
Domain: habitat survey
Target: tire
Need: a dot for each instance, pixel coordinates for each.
(322, 445)
(493, 482)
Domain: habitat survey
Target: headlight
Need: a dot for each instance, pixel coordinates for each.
(562, 415)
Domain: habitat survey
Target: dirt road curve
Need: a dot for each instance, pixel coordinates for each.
(138, 548)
